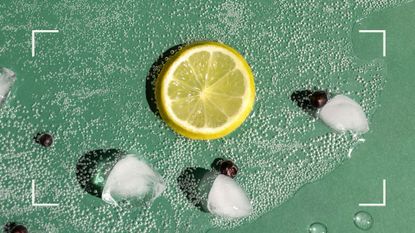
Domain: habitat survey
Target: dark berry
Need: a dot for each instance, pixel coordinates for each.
(228, 168)
(44, 139)
(19, 229)
(318, 99)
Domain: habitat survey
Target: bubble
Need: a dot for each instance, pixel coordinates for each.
(363, 220)
(317, 227)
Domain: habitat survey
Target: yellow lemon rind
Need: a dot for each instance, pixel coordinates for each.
(160, 99)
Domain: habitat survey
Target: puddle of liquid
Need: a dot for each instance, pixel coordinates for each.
(86, 85)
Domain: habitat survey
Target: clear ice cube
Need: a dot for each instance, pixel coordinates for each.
(344, 114)
(132, 179)
(227, 199)
(7, 79)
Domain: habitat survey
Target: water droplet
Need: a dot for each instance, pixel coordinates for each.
(363, 220)
(317, 228)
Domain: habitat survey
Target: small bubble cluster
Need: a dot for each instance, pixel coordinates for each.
(87, 86)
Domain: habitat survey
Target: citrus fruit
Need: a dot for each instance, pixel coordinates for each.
(205, 91)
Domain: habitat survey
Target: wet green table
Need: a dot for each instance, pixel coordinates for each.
(86, 84)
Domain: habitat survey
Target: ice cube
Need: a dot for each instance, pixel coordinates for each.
(132, 178)
(227, 199)
(343, 114)
(7, 78)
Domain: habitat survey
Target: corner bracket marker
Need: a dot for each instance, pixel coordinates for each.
(383, 35)
(383, 204)
(39, 204)
(34, 35)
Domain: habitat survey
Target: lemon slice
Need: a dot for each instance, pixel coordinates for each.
(205, 91)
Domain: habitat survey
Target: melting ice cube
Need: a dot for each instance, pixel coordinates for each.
(227, 199)
(132, 178)
(343, 114)
(7, 78)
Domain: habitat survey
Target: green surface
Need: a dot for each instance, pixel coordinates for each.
(87, 85)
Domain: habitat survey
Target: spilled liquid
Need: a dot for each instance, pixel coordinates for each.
(87, 85)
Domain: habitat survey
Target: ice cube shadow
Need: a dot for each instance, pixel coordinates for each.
(189, 181)
(215, 165)
(95, 163)
(154, 72)
(301, 98)
(13, 226)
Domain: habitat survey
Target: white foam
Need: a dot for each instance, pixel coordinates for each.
(7, 78)
(343, 114)
(227, 199)
(132, 178)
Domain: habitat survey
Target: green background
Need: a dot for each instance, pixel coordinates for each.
(83, 83)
